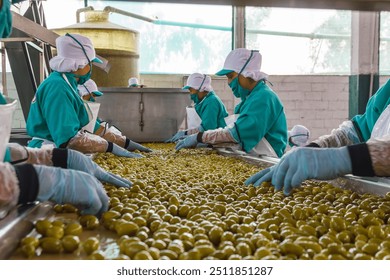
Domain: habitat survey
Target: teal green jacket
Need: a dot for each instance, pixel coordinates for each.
(212, 112)
(261, 115)
(57, 112)
(375, 106)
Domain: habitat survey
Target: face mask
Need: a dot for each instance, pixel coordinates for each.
(83, 78)
(92, 99)
(195, 98)
(238, 90)
(5, 19)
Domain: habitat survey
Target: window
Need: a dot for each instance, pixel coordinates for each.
(384, 46)
(300, 41)
(183, 38)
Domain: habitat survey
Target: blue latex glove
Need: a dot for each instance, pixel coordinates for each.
(178, 136)
(188, 142)
(81, 162)
(70, 186)
(135, 146)
(118, 151)
(305, 163)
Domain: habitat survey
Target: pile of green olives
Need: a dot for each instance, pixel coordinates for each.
(193, 205)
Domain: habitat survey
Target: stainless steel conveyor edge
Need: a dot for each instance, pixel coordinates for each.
(18, 223)
(374, 185)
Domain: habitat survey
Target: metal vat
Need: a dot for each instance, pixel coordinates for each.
(144, 114)
(117, 44)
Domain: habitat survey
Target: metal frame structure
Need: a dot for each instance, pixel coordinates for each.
(28, 54)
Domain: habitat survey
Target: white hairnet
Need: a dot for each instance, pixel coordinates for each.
(89, 87)
(133, 82)
(299, 135)
(70, 56)
(236, 60)
(195, 81)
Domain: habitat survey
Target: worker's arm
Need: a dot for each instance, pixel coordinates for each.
(371, 158)
(344, 135)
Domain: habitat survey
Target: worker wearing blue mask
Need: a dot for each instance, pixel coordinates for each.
(57, 113)
(210, 110)
(27, 182)
(360, 146)
(261, 126)
(88, 91)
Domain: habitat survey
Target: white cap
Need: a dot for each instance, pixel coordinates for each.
(237, 61)
(299, 135)
(70, 55)
(133, 82)
(199, 82)
(89, 87)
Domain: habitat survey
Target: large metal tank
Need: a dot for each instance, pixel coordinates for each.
(117, 44)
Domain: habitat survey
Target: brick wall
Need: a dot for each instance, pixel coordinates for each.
(318, 102)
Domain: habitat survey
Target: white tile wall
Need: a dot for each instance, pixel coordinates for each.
(318, 102)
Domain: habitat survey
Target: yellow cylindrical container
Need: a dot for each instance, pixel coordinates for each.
(117, 44)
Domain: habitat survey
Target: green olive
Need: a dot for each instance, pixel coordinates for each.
(90, 245)
(73, 228)
(51, 245)
(70, 243)
(89, 222)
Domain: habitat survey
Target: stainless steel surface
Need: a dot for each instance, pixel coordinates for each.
(163, 111)
(18, 223)
(374, 185)
(363, 5)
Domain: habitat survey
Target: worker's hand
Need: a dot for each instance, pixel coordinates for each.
(135, 146)
(178, 136)
(81, 162)
(305, 163)
(121, 152)
(188, 142)
(70, 186)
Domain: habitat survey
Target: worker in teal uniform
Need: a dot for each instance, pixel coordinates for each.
(360, 146)
(89, 91)
(57, 113)
(261, 126)
(208, 106)
(27, 182)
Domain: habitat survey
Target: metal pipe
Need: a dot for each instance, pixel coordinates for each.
(79, 11)
(125, 13)
(3, 69)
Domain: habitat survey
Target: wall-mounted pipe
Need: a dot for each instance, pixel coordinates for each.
(79, 11)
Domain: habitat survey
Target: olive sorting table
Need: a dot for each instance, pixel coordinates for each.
(192, 204)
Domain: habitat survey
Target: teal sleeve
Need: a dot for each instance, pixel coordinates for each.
(376, 105)
(61, 117)
(5, 19)
(210, 116)
(57, 112)
(7, 156)
(97, 126)
(2, 99)
(261, 115)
